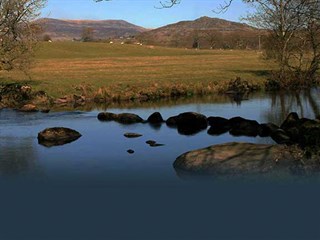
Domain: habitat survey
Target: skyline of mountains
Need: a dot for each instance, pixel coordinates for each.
(211, 32)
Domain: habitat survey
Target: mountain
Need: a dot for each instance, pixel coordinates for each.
(73, 29)
(206, 30)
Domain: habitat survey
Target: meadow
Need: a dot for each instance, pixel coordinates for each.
(132, 71)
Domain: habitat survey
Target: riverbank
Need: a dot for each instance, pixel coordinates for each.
(123, 72)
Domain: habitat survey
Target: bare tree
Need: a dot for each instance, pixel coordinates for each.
(17, 32)
(87, 34)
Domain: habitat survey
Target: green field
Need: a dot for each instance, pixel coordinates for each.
(123, 71)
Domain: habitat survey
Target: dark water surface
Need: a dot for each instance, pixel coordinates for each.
(94, 189)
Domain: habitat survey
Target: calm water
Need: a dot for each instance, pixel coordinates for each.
(93, 189)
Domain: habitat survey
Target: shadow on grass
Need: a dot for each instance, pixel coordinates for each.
(4, 81)
(258, 73)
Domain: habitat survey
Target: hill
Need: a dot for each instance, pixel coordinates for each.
(205, 31)
(72, 29)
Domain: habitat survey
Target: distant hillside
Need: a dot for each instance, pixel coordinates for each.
(208, 32)
(73, 29)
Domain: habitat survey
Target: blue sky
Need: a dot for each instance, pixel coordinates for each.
(141, 12)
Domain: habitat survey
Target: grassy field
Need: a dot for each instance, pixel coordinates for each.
(125, 71)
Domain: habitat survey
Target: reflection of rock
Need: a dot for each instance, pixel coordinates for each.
(233, 158)
(215, 131)
(244, 127)
(155, 118)
(123, 118)
(57, 136)
(132, 135)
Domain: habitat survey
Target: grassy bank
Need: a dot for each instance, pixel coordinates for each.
(125, 71)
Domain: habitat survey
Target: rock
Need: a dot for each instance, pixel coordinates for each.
(29, 108)
(130, 151)
(172, 121)
(281, 137)
(154, 143)
(107, 116)
(63, 100)
(45, 110)
(267, 129)
(155, 118)
(292, 120)
(57, 136)
(218, 125)
(128, 118)
(233, 158)
(311, 136)
(123, 118)
(244, 127)
(188, 123)
(151, 142)
(132, 135)
(219, 122)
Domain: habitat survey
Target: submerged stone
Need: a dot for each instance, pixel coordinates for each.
(132, 135)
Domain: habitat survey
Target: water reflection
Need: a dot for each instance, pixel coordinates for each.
(305, 102)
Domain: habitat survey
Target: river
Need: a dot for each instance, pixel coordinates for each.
(93, 189)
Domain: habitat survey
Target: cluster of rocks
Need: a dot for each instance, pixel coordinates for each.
(304, 132)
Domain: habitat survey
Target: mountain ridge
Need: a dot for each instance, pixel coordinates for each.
(67, 29)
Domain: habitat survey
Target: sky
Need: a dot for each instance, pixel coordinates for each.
(141, 12)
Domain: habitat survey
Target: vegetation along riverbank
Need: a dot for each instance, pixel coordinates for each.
(105, 72)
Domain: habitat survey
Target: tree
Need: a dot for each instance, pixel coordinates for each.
(87, 34)
(293, 40)
(17, 32)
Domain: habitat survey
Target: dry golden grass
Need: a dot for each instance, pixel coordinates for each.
(124, 71)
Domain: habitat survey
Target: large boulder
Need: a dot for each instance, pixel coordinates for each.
(234, 158)
(57, 136)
